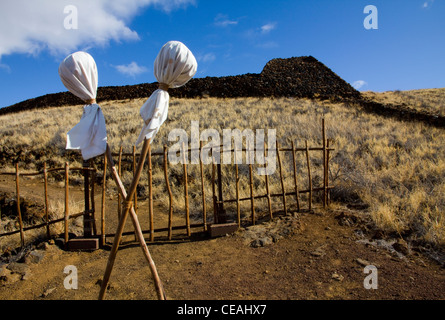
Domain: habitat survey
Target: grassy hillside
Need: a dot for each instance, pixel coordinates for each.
(393, 169)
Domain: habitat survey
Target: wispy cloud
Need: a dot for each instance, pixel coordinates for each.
(38, 25)
(359, 84)
(132, 69)
(268, 27)
(208, 57)
(427, 4)
(222, 20)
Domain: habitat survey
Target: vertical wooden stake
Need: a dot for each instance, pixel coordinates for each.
(281, 179)
(135, 197)
(170, 196)
(269, 201)
(150, 196)
(204, 212)
(215, 209)
(252, 206)
(294, 160)
(119, 172)
(327, 172)
(187, 213)
(102, 211)
(325, 190)
(238, 211)
(19, 213)
(45, 187)
(93, 203)
(309, 176)
(67, 210)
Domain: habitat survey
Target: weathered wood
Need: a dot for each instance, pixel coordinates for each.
(102, 211)
(238, 209)
(252, 201)
(309, 176)
(266, 177)
(19, 213)
(294, 161)
(120, 228)
(204, 211)
(67, 210)
(170, 195)
(150, 196)
(45, 189)
(281, 179)
(186, 194)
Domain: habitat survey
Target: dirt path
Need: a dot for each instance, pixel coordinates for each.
(320, 258)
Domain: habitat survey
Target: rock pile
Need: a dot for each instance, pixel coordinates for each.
(302, 77)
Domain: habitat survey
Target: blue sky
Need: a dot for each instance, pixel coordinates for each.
(229, 37)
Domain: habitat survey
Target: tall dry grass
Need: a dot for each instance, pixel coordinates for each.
(394, 168)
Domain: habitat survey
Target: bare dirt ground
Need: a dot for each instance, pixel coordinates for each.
(322, 256)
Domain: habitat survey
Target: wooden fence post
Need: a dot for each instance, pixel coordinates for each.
(309, 176)
(294, 160)
(150, 195)
(45, 188)
(19, 213)
(67, 202)
(204, 212)
(170, 196)
(269, 201)
(281, 179)
(187, 212)
(102, 212)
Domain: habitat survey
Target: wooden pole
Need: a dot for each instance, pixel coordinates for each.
(269, 201)
(119, 197)
(45, 188)
(186, 196)
(67, 210)
(281, 179)
(170, 196)
(252, 205)
(150, 196)
(294, 160)
(135, 198)
(120, 228)
(102, 211)
(19, 213)
(87, 227)
(325, 190)
(215, 209)
(93, 203)
(204, 212)
(238, 211)
(309, 176)
(327, 172)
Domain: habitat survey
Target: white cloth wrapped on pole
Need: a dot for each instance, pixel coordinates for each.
(174, 66)
(78, 73)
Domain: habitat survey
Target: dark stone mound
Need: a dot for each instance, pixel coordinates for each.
(302, 77)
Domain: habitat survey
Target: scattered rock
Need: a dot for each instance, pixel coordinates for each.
(319, 252)
(337, 276)
(19, 268)
(47, 292)
(34, 256)
(362, 262)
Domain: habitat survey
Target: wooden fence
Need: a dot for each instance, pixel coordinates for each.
(218, 200)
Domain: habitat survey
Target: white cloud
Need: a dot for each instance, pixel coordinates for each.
(268, 27)
(208, 57)
(359, 84)
(427, 4)
(132, 69)
(37, 25)
(222, 20)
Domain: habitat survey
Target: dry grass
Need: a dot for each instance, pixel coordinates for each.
(397, 169)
